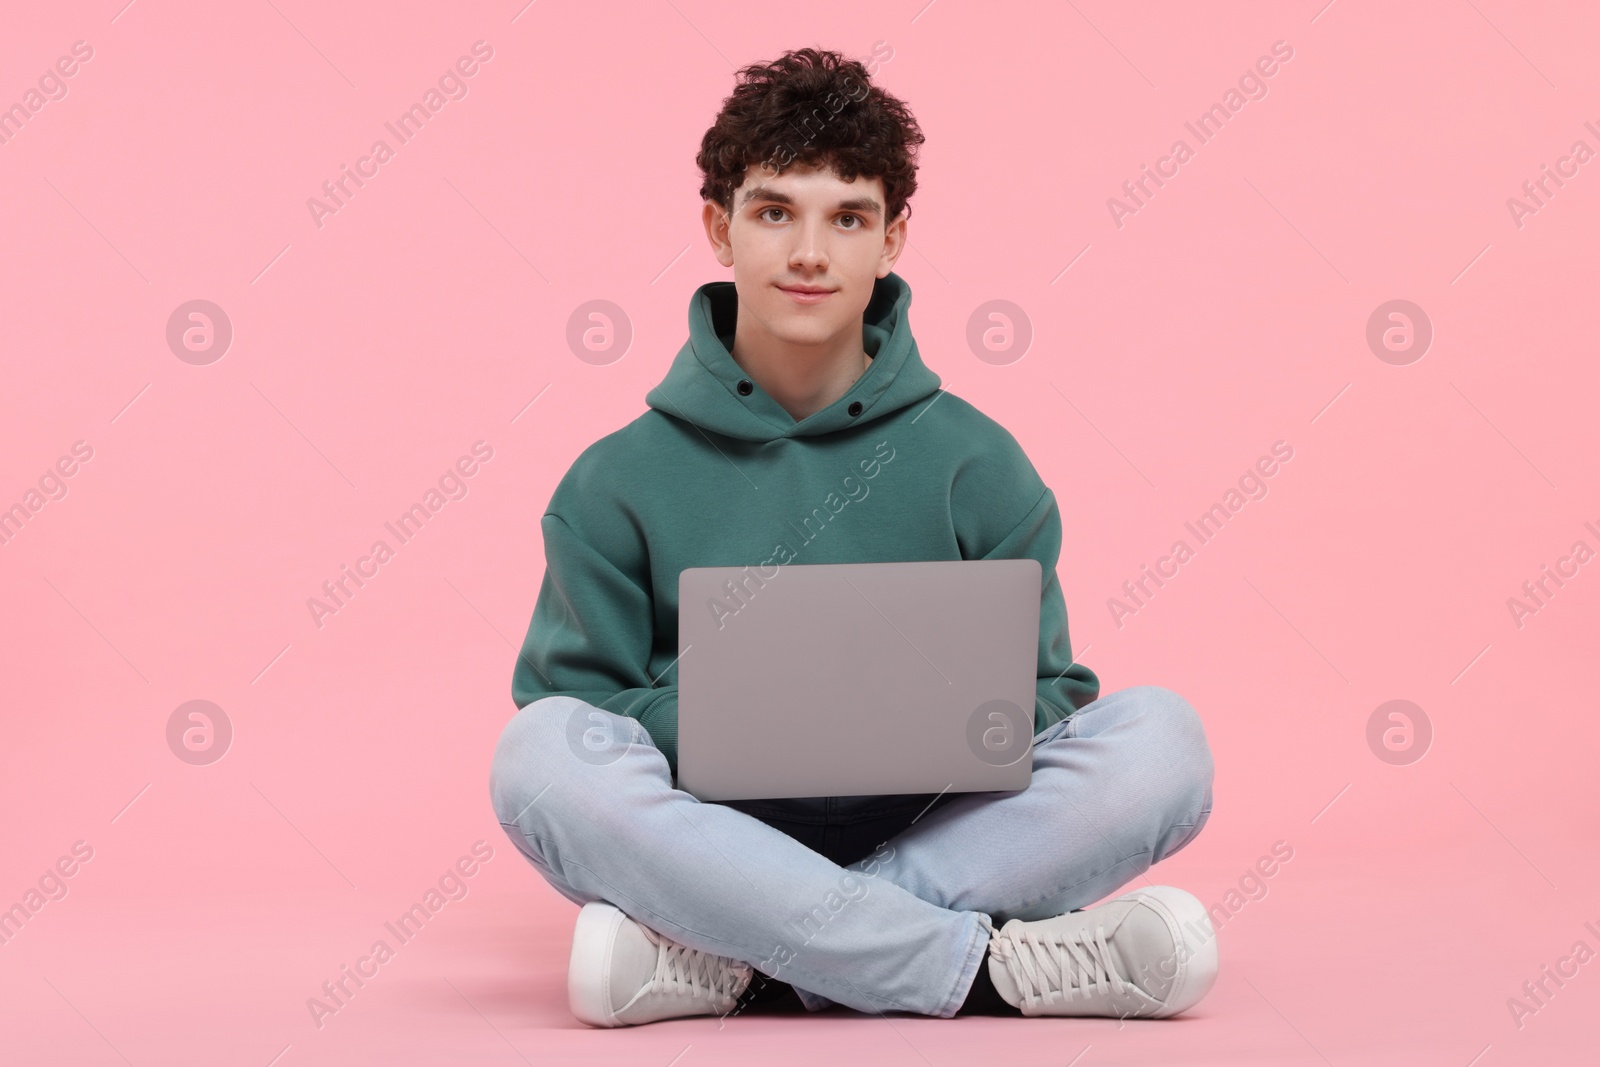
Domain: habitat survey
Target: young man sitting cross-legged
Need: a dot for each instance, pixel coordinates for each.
(799, 394)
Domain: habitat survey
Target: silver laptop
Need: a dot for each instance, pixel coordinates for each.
(857, 679)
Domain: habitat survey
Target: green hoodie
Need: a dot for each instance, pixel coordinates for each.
(716, 475)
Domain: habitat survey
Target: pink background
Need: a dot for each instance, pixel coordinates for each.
(368, 354)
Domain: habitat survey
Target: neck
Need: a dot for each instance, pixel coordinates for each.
(803, 379)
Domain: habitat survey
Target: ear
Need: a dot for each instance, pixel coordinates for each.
(894, 243)
(716, 222)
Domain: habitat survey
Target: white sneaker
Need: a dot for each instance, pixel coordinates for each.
(1148, 954)
(622, 973)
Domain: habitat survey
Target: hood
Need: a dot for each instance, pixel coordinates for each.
(701, 386)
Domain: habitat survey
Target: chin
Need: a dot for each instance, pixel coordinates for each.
(802, 329)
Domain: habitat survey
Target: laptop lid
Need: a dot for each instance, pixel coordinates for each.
(853, 679)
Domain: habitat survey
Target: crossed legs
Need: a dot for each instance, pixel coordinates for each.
(1122, 784)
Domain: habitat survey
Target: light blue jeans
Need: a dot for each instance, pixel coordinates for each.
(877, 903)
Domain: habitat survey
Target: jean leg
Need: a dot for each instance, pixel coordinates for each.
(604, 822)
(851, 831)
(1122, 784)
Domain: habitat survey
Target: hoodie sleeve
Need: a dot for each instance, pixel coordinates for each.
(592, 633)
(1063, 686)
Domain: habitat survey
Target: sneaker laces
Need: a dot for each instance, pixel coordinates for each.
(681, 969)
(1060, 964)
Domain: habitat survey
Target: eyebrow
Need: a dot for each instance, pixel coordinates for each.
(864, 204)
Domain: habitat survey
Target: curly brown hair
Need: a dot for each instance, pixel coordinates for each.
(813, 107)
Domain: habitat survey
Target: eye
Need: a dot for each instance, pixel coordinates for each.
(767, 209)
(858, 219)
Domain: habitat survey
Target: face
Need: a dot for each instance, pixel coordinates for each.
(805, 229)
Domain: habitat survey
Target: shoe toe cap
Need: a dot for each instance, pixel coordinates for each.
(1169, 939)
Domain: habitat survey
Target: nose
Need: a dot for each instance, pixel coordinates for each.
(810, 250)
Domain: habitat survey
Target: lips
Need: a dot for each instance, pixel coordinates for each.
(805, 294)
